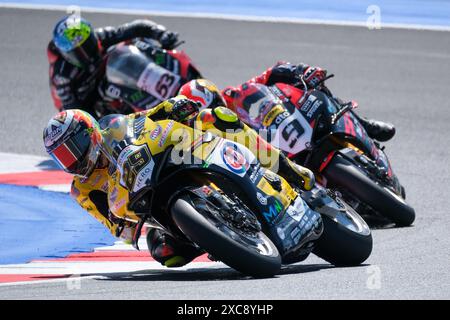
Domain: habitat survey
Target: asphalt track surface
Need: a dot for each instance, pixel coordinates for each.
(402, 76)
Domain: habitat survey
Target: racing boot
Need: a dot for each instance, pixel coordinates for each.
(378, 130)
(294, 173)
(168, 251)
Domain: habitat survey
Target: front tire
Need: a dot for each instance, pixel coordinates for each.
(342, 246)
(214, 237)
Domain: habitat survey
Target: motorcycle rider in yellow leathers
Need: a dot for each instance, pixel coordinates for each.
(74, 140)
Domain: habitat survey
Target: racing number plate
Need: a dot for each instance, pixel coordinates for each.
(158, 82)
(293, 133)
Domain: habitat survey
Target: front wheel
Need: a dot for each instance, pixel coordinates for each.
(253, 254)
(346, 239)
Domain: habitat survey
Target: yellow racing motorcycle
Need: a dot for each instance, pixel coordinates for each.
(214, 193)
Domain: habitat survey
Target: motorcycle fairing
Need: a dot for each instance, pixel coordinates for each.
(144, 77)
(232, 157)
(349, 126)
(310, 106)
(384, 168)
(187, 68)
(266, 110)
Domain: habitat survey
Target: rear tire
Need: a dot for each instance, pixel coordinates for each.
(203, 231)
(342, 173)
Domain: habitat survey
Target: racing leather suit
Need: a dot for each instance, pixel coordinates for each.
(91, 193)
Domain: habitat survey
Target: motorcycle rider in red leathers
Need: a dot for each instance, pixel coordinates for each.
(284, 72)
(77, 67)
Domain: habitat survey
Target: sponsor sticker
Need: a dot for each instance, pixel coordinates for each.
(204, 191)
(119, 204)
(305, 107)
(272, 114)
(138, 125)
(142, 45)
(94, 180)
(123, 156)
(113, 91)
(165, 133)
(234, 159)
(230, 156)
(58, 126)
(261, 198)
(273, 212)
(104, 187)
(279, 119)
(74, 191)
(144, 176)
(155, 132)
(256, 172)
(113, 195)
(314, 108)
(297, 210)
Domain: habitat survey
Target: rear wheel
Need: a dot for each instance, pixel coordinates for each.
(342, 173)
(251, 253)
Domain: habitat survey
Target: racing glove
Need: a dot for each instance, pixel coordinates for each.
(178, 108)
(184, 109)
(168, 39)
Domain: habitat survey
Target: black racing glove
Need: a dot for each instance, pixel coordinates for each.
(311, 75)
(168, 40)
(183, 110)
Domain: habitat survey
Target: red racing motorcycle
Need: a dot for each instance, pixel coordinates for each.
(319, 131)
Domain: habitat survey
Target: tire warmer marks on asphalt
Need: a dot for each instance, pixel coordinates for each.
(40, 172)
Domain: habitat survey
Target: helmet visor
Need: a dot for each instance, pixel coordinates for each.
(85, 54)
(72, 155)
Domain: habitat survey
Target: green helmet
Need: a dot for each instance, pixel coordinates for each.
(76, 41)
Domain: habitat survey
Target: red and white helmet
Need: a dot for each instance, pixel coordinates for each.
(203, 91)
(73, 139)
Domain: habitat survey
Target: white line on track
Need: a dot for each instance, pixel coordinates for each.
(21, 283)
(13, 5)
(93, 270)
(16, 163)
(93, 267)
(13, 163)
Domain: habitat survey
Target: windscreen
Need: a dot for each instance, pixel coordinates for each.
(260, 101)
(115, 129)
(125, 65)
